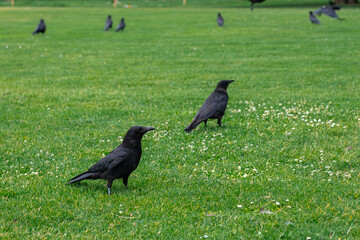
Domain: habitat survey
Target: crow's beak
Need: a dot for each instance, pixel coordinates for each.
(148, 129)
(230, 81)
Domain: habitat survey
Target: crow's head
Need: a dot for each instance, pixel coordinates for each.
(109, 16)
(135, 133)
(224, 84)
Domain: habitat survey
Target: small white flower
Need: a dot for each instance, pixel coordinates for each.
(277, 203)
(206, 236)
(308, 238)
(239, 206)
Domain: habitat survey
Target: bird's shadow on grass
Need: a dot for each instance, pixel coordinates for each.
(212, 128)
(99, 187)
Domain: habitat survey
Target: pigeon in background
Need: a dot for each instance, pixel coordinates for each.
(121, 25)
(313, 18)
(253, 2)
(108, 23)
(329, 11)
(41, 27)
(220, 20)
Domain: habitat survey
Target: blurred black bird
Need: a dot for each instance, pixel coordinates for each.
(108, 23)
(313, 18)
(41, 27)
(120, 162)
(329, 11)
(220, 20)
(214, 106)
(253, 2)
(121, 25)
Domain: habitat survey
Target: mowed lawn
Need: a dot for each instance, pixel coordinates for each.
(285, 164)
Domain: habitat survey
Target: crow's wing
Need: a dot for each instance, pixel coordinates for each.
(319, 11)
(120, 26)
(37, 28)
(108, 24)
(112, 160)
(214, 105)
(330, 11)
(220, 21)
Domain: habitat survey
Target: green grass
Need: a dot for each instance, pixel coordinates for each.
(68, 97)
(166, 3)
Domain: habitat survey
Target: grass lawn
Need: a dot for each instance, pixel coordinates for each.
(285, 165)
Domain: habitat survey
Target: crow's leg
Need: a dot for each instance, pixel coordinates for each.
(219, 120)
(109, 184)
(125, 181)
(205, 122)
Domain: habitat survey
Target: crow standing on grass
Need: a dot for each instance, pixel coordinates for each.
(313, 18)
(120, 163)
(214, 106)
(108, 23)
(253, 2)
(41, 27)
(220, 20)
(121, 25)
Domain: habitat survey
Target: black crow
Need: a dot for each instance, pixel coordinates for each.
(120, 162)
(220, 20)
(214, 106)
(121, 25)
(313, 18)
(253, 2)
(41, 27)
(329, 11)
(108, 23)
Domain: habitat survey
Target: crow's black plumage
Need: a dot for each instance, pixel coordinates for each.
(108, 23)
(253, 2)
(313, 18)
(41, 27)
(120, 162)
(329, 11)
(214, 106)
(121, 25)
(220, 20)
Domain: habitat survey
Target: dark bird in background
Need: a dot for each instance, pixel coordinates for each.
(313, 18)
(108, 23)
(41, 27)
(220, 20)
(120, 163)
(121, 25)
(214, 106)
(329, 11)
(253, 2)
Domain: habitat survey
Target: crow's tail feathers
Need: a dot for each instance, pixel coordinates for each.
(193, 125)
(80, 177)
